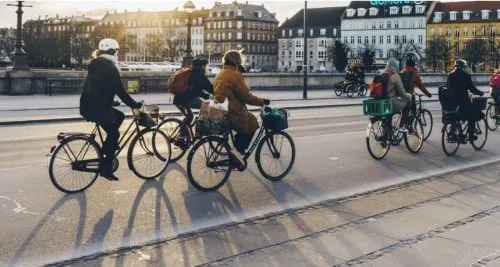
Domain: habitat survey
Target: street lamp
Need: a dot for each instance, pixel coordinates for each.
(189, 8)
(20, 58)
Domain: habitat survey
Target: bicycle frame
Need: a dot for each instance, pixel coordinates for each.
(121, 142)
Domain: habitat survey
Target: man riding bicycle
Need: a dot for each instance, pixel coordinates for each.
(96, 102)
(410, 79)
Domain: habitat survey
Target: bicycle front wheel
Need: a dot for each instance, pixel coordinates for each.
(209, 163)
(363, 90)
(481, 133)
(275, 155)
(149, 153)
(377, 140)
(76, 150)
(450, 138)
(491, 118)
(425, 118)
(172, 128)
(350, 90)
(414, 138)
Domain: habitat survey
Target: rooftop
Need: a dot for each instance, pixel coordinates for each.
(474, 6)
(384, 9)
(316, 17)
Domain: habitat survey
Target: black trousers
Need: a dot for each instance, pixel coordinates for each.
(110, 121)
(241, 141)
(188, 113)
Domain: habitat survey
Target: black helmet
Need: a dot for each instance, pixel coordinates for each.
(200, 61)
(461, 64)
(410, 62)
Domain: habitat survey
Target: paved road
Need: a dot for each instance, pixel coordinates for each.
(41, 225)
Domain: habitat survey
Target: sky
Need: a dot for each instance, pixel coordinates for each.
(283, 8)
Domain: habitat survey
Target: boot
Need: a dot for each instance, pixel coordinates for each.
(106, 170)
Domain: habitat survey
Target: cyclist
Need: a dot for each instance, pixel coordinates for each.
(229, 83)
(97, 99)
(495, 90)
(396, 91)
(461, 83)
(197, 82)
(410, 79)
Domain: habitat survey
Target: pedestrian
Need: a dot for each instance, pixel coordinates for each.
(495, 88)
(461, 83)
(197, 84)
(230, 84)
(96, 102)
(396, 91)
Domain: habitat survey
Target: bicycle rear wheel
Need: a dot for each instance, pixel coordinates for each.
(481, 133)
(275, 155)
(414, 138)
(338, 89)
(427, 122)
(363, 90)
(350, 90)
(171, 127)
(377, 139)
(450, 138)
(149, 153)
(491, 118)
(209, 164)
(61, 166)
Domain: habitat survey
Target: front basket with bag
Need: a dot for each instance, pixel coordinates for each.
(205, 127)
(275, 119)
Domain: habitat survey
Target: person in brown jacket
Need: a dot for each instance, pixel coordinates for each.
(415, 79)
(229, 83)
(395, 90)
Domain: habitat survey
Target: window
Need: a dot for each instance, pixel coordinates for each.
(374, 40)
(334, 31)
(420, 39)
(359, 40)
(290, 32)
(465, 31)
(381, 24)
(396, 24)
(373, 11)
(389, 24)
(492, 31)
(406, 9)
(466, 15)
(483, 30)
(448, 31)
(352, 39)
(473, 30)
(366, 39)
(393, 10)
(301, 33)
(381, 39)
(419, 9)
(438, 16)
(321, 54)
(485, 14)
(457, 32)
(322, 32)
(498, 13)
(298, 43)
(230, 24)
(283, 33)
(389, 38)
(396, 39)
(350, 12)
(239, 25)
(311, 32)
(453, 15)
(457, 48)
(374, 25)
(361, 12)
(345, 39)
(366, 25)
(299, 54)
(404, 39)
(230, 36)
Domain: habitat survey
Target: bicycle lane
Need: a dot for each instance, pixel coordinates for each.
(41, 221)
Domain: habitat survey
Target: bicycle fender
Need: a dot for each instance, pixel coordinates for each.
(368, 129)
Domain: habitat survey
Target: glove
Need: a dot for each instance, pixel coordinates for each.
(116, 104)
(138, 105)
(429, 95)
(267, 102)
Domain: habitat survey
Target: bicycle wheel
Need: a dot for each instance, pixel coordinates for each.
(338, 90)
(149, 153)
(350, 90)
(481, 133)
(450, 136)
(427, 121)
(377, 136)
(275, 155)
(363, 90)
(209, 164)
(491, 118)
(61, 171)
(414, 138)
(171, 127)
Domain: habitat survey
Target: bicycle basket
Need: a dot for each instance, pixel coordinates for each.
(479, 102)
(205, 127)
(145, 120)
(377, 107)
(275, 119)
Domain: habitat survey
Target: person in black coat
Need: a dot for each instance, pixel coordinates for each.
(96, 102)
(198, 83)
(461, 83)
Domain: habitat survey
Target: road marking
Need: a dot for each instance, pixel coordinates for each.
(120, 192)
(20, 209)
(333, 158)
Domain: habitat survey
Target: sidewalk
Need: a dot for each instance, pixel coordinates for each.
(453, 220)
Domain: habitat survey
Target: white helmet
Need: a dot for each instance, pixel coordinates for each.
(108, 43)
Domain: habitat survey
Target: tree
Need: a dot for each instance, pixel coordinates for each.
(438, 53)
(81, 45)
(174, 44)
(116, 31)
(402, 51)
(7, 41)
(338, 55)
(155, 43)
(494, 52)
(368, 56)
(475, 52)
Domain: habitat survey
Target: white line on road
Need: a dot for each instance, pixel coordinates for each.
(20, 209)
(333, 158)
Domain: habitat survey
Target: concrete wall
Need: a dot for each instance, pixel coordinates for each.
(156, 81)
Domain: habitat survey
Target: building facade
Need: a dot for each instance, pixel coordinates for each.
(460, 22)
(251, 28)
(323, 30)
(389, 27)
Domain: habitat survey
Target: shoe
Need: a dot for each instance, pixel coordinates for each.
(472, 137)
(106, 171)
(237, 158)
(109, 176)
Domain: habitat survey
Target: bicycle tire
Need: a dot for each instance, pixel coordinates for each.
(362, 90)
(177, 152)
(480, 145)
(209, 141)
(427, 122)
(418, 129)
(491, 120)
(338, 91)
(444, 139)
(61, 147)
(350, 90)
(387, 144)
(258, 155)
(153, 151)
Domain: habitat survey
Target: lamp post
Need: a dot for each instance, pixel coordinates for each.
(21, 58)
(189, 8)
(304, 87)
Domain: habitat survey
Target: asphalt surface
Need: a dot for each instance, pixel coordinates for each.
(41, 225)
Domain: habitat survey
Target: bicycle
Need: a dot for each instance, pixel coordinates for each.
(79, 154)
(492, 119)
(455, 132)
(172, 127)
(350, 88)
(424, 116)
(384, 129)
(212, 154)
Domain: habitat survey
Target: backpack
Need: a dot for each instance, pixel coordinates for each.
(447, 99)
(495, 81)
(406, 78)
(178, 83)
(378, 87)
